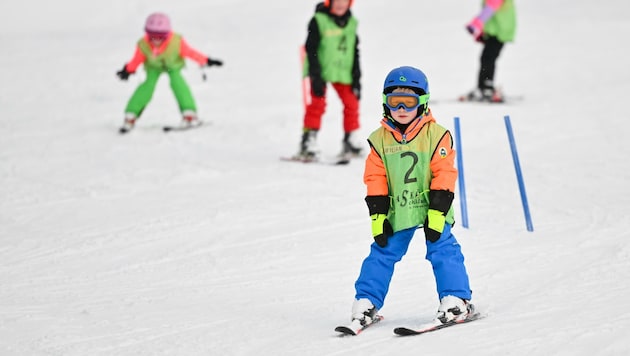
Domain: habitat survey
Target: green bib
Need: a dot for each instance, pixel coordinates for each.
(502, 24)
(336, 49)
(408, 174)
(168, 60)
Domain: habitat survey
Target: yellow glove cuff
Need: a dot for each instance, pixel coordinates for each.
(436, 220)
(377, 223)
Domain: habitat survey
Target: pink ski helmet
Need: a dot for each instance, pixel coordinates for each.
(158, 23)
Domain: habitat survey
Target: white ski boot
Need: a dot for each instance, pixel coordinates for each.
(309, 151)
(453, 309)
(189, 119)
(350, 147)
(363, 311)
(363, 315)
(129, 123)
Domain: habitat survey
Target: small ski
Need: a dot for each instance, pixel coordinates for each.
(493, 100)
(169, 128)
(499, 99)
(434, 326)
(337, 161)
(355, 328)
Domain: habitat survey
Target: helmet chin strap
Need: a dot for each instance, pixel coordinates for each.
(398, 125)
(424, 112)
(403, 127)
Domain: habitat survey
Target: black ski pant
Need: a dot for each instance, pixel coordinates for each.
(491, 50)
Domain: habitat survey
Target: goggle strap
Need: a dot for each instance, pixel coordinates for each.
(423, 99)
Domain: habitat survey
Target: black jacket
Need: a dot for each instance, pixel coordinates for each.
(312, 44)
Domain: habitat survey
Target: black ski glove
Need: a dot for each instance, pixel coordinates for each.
(123, 74)
(381, 227)
(214, 62)
(439, 205)
(318, 86)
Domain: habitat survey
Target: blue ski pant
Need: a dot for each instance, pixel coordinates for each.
(445, 256)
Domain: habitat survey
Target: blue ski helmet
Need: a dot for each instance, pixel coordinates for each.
(408, 77)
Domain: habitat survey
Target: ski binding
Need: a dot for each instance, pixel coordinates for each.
(355, 327)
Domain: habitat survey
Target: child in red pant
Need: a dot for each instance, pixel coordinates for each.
(332, 56)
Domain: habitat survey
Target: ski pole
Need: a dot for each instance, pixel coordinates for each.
(306, 80)
(519, 174)
(460, 174)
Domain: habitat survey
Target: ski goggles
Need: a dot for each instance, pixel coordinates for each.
(407, 101)
(157, 36)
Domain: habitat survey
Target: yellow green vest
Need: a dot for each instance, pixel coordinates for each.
(336, 49)
(502, 24)
(408, 174)
(170, 59)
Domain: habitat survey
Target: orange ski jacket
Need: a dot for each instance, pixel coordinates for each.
(434, 169)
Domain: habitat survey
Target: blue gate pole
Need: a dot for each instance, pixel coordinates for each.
(519, 174)
(460, 174)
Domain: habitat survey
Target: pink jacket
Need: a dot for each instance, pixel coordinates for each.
(185, 51)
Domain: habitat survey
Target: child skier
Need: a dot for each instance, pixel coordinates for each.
(332, 55)
(160, 50)
(494, 26)
(410, 178)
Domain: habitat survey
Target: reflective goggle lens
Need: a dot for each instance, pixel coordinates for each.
(157, 36)
(409, 102)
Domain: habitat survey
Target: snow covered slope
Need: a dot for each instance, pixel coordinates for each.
(204, 243)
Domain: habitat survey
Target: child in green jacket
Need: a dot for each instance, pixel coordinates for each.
(494, 26)
(332, 56)
(162, 51)
(410, 177)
